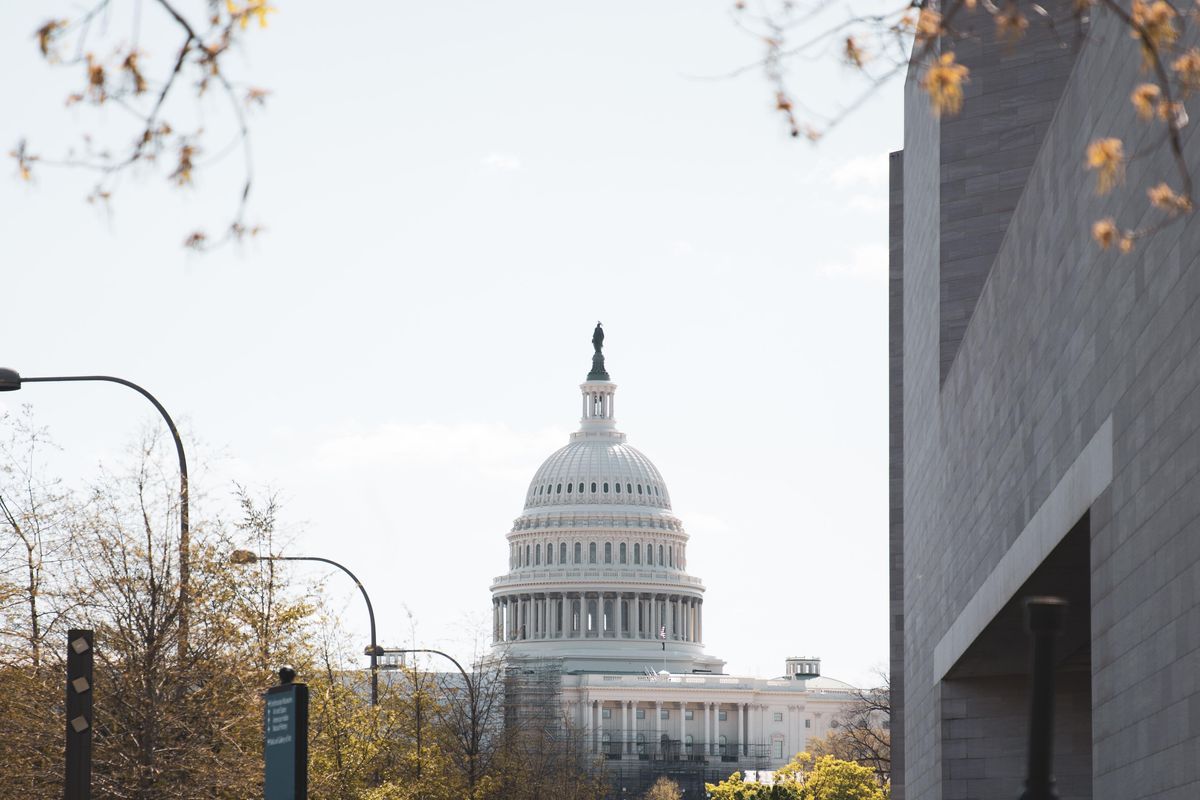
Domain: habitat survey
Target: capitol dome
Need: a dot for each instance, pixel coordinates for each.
(590, 471)
(597, 561)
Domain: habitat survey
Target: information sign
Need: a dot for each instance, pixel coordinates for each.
(285, 742)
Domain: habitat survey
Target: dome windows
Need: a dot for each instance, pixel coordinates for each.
(593, 487)
(569, 486)
(639, 488)
(562, 553)
(578, 553)
(606, 487)
(629, 488)
(637, 553)
(622, 550)
(592, 553)
(558, 489)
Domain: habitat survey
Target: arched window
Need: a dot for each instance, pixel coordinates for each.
(687, 743)
(622, 552)
(558, 489)
(581, 487)
(639, 488)
(591, 552)
(606, 487)
(637, 553)
(650, 555)
(593, 487)
(608, 552)
(656, 491)
(724, 742)
(578, 552)
(540, 489)
(618, 487)
(660, 556)
(569, 486)
(549, 553)
(629, 488)
(671, 556)
(562, 553)
(537, 555)
(527, 555)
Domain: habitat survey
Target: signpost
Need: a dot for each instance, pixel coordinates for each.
(285, 739)
(78, 785)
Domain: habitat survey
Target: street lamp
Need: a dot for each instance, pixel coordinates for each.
(373, 650)
(11, 381)
(472, 753)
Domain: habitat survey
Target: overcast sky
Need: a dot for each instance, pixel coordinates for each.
(455, 192)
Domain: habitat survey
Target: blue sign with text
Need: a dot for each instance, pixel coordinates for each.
(285, 742)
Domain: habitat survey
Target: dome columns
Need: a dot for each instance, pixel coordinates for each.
(597, 614)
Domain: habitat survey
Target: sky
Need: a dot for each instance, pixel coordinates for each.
(453, 194)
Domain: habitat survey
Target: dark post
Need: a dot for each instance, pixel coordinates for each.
(285, 739)
(78, 784)
(1043, 615)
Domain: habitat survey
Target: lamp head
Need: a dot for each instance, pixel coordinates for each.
(242, 557)
(10, 380)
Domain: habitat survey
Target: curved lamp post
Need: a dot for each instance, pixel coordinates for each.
(373, 650)
(11, 381)
(472, 756)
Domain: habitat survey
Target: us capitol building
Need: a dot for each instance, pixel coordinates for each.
(599, 608)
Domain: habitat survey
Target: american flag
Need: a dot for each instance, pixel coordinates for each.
(662, 631)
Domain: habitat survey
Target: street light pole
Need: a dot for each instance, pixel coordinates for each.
(247, 557)
(472, 754)
(11, 381)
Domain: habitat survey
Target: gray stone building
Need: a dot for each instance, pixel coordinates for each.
(1045, 434)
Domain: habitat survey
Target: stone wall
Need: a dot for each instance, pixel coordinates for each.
(1061, 339)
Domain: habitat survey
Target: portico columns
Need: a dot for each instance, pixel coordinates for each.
(683, 728)
(741, 748)
(706, 738)
(629, 722)
(596, 721)
(658, 726)
(620, 614)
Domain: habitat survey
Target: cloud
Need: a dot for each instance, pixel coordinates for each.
(682, 249)
(862, 262)
(862, 172)
(500, 162)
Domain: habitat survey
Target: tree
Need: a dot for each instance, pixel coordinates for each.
(924, 38)
(664, 789)
(805, 778)
(862, 732)
(156, 130)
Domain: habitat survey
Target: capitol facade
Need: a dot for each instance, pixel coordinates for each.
(598, 594)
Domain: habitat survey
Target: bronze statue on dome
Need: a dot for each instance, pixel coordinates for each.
(598, 372)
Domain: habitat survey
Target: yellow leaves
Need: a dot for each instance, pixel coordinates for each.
(1164, 197)
(254, 9)
(943, 81)
(1107, 158)
(130, 66)
(853, 54)
(46, 35)
(183, 170)
(1187, 70)
(1107, 234)
(1011, 24)
(25, 160)
(1145, 98)
(1153, 24)
(929, 24)
(95, 79)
